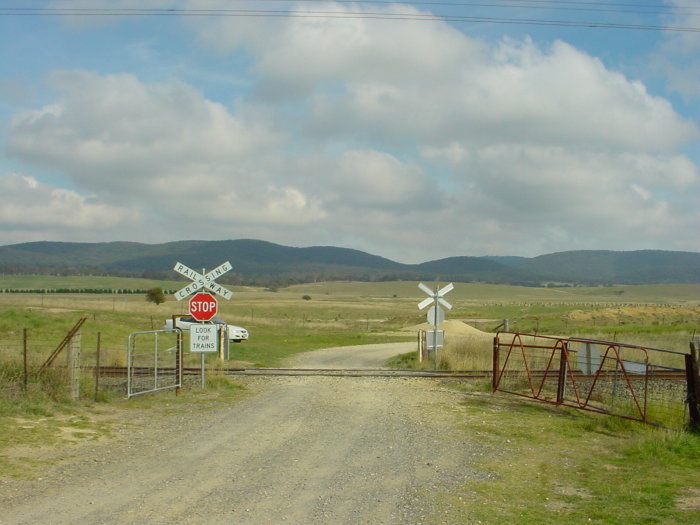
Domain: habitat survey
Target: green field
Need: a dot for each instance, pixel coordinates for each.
(595, 469)
(53, 282)
(657, 293)
(309, 316)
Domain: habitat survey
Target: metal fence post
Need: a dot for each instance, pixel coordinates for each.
(25, 374)
(562, 374)
(693, 378)
(155, 363)
(178, 362)
(97, 366)
(496, 364)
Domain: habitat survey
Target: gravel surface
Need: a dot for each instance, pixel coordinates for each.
(302, 450)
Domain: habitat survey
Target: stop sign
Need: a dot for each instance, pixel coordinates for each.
(203, 306)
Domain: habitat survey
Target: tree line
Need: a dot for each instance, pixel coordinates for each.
(81, 290)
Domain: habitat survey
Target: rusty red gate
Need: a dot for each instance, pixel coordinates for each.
(633, 382)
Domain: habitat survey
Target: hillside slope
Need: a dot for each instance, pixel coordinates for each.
(261, 262)
(610, 267)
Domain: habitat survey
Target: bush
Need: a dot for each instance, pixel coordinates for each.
(155, 295)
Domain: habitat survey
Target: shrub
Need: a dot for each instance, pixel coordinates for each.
(155, 295)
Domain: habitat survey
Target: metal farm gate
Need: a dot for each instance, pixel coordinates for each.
(154, 361)
(627, 381)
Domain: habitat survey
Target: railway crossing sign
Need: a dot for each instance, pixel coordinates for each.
(203, 280)
(203, 306)
(436, 315)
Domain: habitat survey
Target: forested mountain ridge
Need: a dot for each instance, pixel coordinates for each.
(261, 262)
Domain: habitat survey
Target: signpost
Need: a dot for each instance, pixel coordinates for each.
(436, 315)
(203, 306)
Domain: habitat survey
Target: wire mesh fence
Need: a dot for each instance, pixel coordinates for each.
(22, 356)
(53, 363)
(644, 384)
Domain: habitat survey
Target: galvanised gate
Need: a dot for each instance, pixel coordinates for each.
(154, 361)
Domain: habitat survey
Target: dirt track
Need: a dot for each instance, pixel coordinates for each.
(303, 450)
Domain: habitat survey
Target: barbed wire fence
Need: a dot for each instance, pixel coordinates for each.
(50, 363)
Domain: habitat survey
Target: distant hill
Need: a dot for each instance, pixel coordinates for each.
(261, 262)
(608, 267)
(480, 269)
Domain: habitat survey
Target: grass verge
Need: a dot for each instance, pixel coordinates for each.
(550, 465)
(35, 428)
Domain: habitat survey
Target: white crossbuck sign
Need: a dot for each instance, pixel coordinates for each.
(436, 315)
(203, 280)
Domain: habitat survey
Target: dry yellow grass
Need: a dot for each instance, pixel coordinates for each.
(466, 347)
(652, 314)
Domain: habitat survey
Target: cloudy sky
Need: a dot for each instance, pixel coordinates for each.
(414, 131)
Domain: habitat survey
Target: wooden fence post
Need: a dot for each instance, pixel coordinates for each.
(422, 346)
(74, 365)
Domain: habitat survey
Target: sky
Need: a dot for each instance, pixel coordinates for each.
(414, 131)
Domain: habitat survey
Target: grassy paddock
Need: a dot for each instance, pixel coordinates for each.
(310, 316)
(595, 470)
(282, 323)
(53, 282)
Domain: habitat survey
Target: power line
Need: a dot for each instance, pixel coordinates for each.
(297, 13)
(557, 5)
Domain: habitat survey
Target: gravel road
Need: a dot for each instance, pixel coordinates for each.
(301, 450)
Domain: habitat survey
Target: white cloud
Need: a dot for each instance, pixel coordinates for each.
(115, 134)
(676, 58)
(430, 81)
(372, 179)
(271, 206)
(552, 195)
(411, 140)
(30, 210)
(516, 94)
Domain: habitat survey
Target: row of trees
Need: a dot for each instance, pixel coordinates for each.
(80, 290)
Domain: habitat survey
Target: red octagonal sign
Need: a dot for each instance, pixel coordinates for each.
(203, 306)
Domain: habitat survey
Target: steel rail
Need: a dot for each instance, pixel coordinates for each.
(360, 372)
(121, 371)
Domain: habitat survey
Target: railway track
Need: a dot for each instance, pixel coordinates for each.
(121, 371)
(361, 372)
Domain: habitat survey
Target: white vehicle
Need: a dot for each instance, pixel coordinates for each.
(235, 333)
